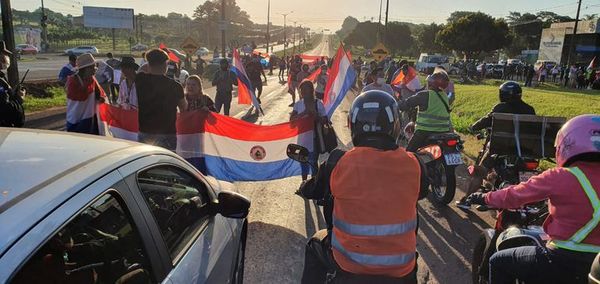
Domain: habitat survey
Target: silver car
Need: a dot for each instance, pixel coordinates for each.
(86, 209)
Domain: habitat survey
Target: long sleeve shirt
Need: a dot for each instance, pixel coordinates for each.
(569, 207)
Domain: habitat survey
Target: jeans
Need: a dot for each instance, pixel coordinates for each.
(223, 100)
(534, 264)
(167, 141)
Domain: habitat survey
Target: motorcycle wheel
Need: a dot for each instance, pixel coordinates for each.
(478, 255)
(444, 185)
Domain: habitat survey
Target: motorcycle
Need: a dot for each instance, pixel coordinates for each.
(446, 149)
(514, 228)
(509, 169)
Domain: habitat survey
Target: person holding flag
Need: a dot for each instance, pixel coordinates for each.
(224, 79)
(321, 79)
(246, 88)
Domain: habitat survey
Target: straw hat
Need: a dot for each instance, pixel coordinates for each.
(85, 60)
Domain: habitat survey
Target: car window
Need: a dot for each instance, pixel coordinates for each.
(99, 245)
(179, 203)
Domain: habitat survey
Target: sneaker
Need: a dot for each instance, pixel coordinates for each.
(482, 208)
(463, 205)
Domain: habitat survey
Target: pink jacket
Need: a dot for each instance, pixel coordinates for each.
(569, 206)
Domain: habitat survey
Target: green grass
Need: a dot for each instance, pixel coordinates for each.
(58, 99)
(475, 101)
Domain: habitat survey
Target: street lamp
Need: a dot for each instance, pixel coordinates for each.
(284, 32)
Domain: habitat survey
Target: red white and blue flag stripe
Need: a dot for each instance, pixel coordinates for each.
(341, 79)
(226, 148)
(246, 94)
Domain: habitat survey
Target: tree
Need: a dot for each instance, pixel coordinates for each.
(550, 17)
(348, 26)
(456, 15)
(425, 39)
(399, 38)
(365, 34)
(208, 15)
(475, 33)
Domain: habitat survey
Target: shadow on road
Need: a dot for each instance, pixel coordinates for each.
(446, 240)
(280, 251)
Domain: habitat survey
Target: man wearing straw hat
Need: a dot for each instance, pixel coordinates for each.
(83, 95)
(11, 101)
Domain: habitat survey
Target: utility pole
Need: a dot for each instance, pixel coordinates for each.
(268, 24)
(44, 29)
(572, 45)
(387, 12)
(285, 33)
(379, 23)
(294, 40)
(9, 40)
(223, 53)
(141, 28)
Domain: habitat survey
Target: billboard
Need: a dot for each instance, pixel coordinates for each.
(110, 18)
(552, 43)
(28, 35)
(584, 27)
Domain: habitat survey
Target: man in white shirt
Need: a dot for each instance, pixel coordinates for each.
(379, 83)
(127, 91)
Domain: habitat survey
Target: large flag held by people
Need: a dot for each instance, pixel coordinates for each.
(341, 79)
(226, 148)
(246, 94)
(410, 79)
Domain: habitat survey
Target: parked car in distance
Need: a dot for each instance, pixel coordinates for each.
(428, 62)
(83, 49)
(514, 61)
(25, 49)
(122, 213)
(139, 47)
(203, 51)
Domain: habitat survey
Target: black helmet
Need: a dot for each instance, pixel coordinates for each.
(374, 113)
(510, 91)
(594, 276)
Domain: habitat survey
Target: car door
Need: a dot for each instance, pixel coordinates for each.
(97, 236)
(199, 245)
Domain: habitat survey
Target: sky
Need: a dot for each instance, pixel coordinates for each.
(329, 14)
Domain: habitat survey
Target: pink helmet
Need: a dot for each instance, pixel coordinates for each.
(578, 136)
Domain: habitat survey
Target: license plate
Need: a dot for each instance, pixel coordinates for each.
(525, 176)
(453, 159)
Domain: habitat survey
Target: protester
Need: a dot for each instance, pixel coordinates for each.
(158, 99)
(105, 75)
(573, 76)
(224, 79)
(67, 70)
(303, 74)
(127, 91)
(11, 101)
(254, 69)
(309, 105)
(143, 60)
(369, 78)
(282, 68)
(529, 75)
(295, 68)
(194, 94)
(555, 71)
(200, 66)
(379, 83)
(543, 74)
(116, 81)
(83, 95)
(322, 82)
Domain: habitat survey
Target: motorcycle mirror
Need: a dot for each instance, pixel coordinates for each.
(297, 153)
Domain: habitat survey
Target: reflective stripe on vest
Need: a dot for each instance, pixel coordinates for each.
(375, 230)
(436, 118)
(574, 243)
(370, 259)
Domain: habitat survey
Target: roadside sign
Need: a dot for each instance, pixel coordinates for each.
(189, 45)
(380, 52)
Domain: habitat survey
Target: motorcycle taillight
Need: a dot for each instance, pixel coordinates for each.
(531, 165)
(451, 143)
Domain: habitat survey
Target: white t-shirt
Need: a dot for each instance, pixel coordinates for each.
(299, 107)
(127, 98)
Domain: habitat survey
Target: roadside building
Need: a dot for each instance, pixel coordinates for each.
(555, 42)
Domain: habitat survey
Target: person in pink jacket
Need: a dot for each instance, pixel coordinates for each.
(572, 190)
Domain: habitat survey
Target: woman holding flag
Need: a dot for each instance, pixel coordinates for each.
(309, 105)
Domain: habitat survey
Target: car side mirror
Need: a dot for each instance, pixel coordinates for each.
(297, 153)
(233, 205)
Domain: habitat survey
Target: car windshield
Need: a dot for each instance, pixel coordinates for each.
(435, 59)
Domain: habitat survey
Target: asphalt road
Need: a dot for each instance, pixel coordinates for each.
(280, 222)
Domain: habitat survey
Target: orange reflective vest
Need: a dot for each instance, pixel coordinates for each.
(375, 211)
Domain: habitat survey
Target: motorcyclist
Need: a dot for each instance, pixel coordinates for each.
(510, 94)
(572, 189)
(371, 218)
(433, 115)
